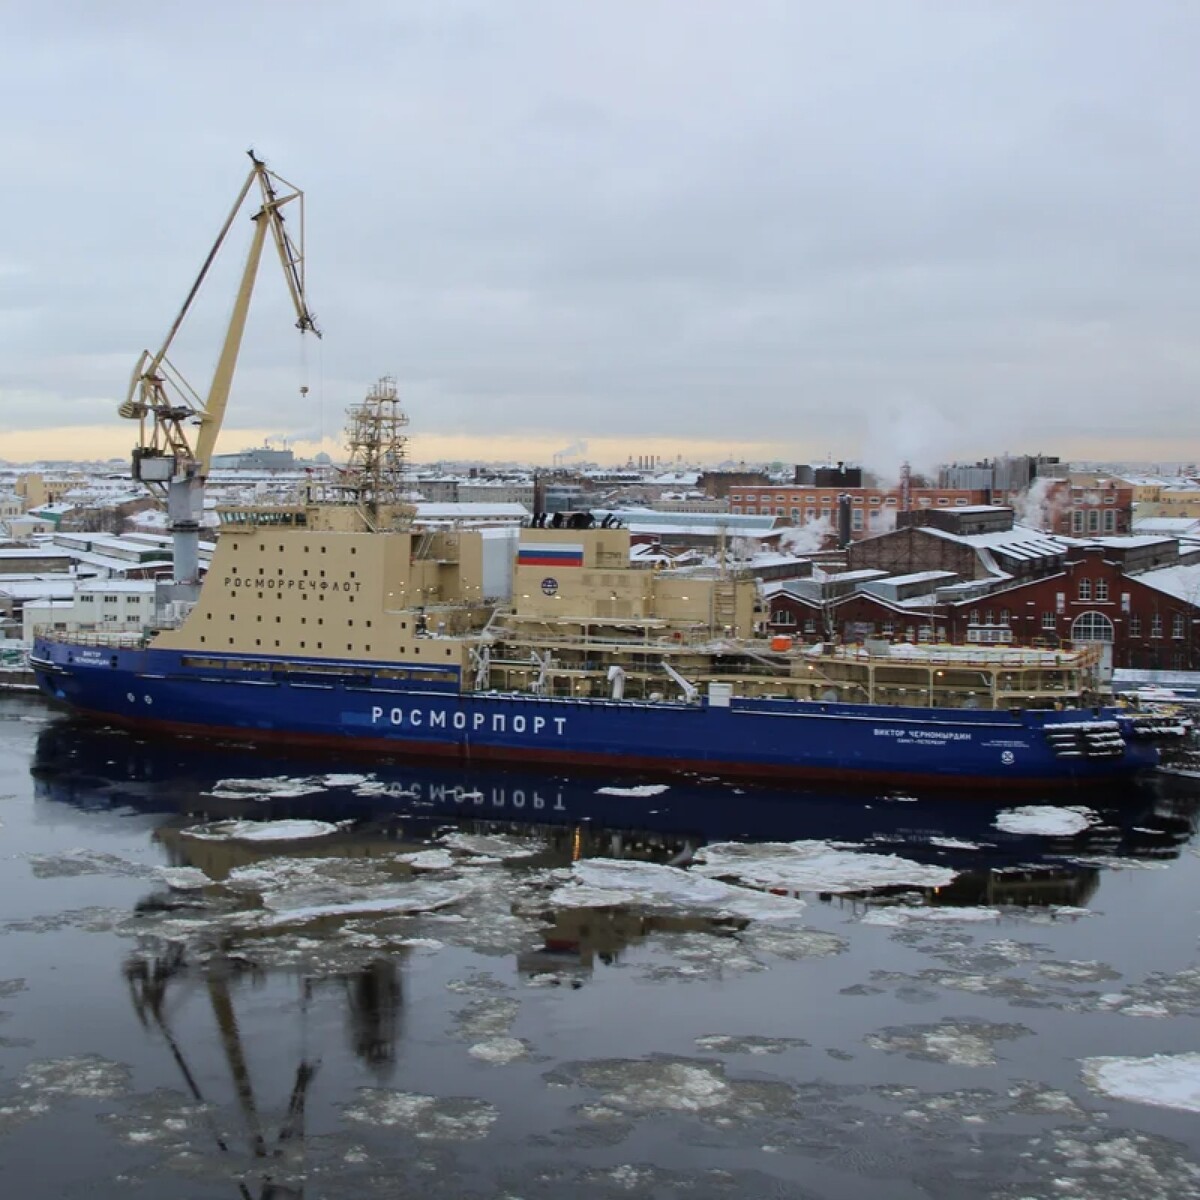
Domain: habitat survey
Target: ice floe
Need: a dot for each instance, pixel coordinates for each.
(428, 860)
(1046, 820)
(300, 890)
(604, 883)
(695, 1087)
(183, 879)
(811, 866)
(84, 862)
(270, 788)
(436, 1118)
(724, 1043)
(85, 1076)
(493, 845)
(963, 1043)
(262, 831)
(898, 916)
(641, 789)
(1164, 1080)
(949, 843)
(499, 1051)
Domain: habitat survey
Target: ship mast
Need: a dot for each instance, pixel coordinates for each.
(171, 459)
(375, 476)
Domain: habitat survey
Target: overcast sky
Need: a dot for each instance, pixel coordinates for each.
(785, 230)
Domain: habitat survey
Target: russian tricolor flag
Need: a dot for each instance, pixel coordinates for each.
(550, 554)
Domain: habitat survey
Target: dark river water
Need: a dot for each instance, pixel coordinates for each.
(225, 974)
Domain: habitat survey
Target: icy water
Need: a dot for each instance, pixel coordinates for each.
(229, 975)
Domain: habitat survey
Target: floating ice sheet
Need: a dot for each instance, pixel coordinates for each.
(899, 916)
(640, 789)
(183, 879)
(262, 831)
(963, 1043)
(499, 1051)
(435, 1118)
(271, 787)
(809, 866)
(1165, 1080)
(493, 845)
(603, 883)
(428, 860)
(1046, 820)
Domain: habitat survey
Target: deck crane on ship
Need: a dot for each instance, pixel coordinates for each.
(178, 427)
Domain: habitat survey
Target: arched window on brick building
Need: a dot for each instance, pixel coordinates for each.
(1091, 627)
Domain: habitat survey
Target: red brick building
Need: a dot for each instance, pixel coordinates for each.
(1079, 506)
(872, 510)
(1139, 595)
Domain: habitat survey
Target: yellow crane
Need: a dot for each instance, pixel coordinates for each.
(177, 427)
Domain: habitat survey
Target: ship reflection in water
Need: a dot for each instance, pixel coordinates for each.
(305, 905)
(386, 813)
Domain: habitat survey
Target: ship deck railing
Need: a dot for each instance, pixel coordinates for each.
(126, 638)
(911, 657)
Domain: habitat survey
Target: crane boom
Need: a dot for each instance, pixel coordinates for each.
(171, 460)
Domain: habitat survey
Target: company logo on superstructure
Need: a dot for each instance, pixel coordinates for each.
(273, 583)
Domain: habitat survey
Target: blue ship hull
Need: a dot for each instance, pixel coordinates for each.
(373, 708)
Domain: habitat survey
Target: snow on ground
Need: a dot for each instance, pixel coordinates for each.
(1046, 820)
(610, 883)
(1165, 1080)
(641, 789)
(262, 831)
(814, 867)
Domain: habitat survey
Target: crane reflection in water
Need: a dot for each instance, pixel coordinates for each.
(274, 1150)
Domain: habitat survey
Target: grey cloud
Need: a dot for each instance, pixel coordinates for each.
(959, 229)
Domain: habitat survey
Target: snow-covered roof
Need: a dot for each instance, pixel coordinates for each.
(38, 589)
(707, 522)
(1128, 541)
(856, 576)
(126, 586)
(1020, 542)
(918, 577)
(105, 562)
(769, 558)
(1168, 526)
(1182, 582)
(445, 511)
